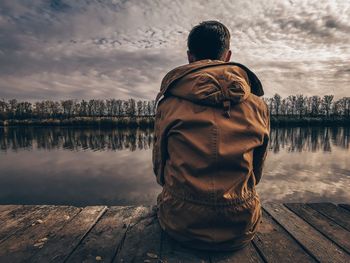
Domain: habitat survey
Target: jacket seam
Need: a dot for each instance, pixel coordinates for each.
(215, 137)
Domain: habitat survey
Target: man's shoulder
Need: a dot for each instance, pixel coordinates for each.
(258, 102)
(260, 106)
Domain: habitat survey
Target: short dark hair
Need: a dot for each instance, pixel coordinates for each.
(208, 40)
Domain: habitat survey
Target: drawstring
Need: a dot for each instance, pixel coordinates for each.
(227, 108)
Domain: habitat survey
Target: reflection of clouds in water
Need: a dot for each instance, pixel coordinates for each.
(65, 177)
(91, 166)
(306, 177)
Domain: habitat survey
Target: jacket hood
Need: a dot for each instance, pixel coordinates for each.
(211, 82)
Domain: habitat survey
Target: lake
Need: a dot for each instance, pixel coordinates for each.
(87, 166)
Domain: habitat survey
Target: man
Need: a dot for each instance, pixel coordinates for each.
(211, 137)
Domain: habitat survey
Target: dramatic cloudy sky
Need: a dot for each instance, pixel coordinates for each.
(118, 48)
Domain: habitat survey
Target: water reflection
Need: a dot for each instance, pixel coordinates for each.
(294, 139)
(75, 138)
(298, 139)
(83, 166)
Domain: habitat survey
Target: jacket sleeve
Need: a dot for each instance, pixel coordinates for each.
(260, 152)
(159, 152)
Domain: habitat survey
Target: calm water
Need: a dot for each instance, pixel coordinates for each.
(81, 166)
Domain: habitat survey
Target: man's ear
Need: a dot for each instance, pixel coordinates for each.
(228, 56)
(190, 57)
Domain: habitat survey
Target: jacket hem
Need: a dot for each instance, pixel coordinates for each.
(250, 196)
(230, 245)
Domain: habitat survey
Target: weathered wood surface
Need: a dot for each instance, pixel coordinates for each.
(322, 248)
(293, 232)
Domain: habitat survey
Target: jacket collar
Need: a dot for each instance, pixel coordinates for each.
(179, 72)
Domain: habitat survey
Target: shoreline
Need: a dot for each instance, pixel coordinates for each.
(148, 122)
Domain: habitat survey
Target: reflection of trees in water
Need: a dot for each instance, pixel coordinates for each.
(293, 139)
(312, 139)
(75, 138)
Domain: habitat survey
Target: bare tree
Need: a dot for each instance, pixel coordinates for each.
(327, 103)
(299, 104)
(139, 108)
(315, 105)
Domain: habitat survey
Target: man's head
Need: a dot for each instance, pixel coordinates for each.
(209, 40)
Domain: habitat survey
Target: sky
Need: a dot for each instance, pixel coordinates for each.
(100, 49)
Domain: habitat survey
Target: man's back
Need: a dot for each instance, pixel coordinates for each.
(211, 137)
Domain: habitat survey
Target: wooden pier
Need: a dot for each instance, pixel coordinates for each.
(292, 232)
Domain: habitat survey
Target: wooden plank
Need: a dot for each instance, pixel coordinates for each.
(142, 241)
(345, 206)
(133, 234)
(103, 240)
(61, 243)
(5, 209)
(28, 241)
(20, 219)
(334, 212)
(312, 240)
(276, 245)
(173, 252)
(15, 212)
(247, 254)
(330, 229)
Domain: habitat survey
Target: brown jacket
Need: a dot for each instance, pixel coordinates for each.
(211, 137)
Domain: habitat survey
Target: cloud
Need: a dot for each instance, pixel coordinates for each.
(121, 75)
(88, 48)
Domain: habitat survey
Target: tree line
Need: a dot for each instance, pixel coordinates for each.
(291, 106)
(304, 106)
(48, 109)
